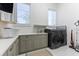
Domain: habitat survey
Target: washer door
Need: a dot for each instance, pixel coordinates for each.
(56, 38)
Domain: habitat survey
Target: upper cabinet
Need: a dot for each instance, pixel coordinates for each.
(18, 13)
(6, 11)
(5, 16)
(7, 7)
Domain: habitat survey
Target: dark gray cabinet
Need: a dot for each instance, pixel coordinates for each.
(32, 42)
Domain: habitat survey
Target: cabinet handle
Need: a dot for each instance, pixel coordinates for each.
(11, 48)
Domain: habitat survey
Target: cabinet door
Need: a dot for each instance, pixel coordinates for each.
(11, 50)
(36, 42)
(32, 42)
(25, 44)
(16, 47)
(22, 43)
(6, 53)
(40, 41)
(43, 40)
(29, 45)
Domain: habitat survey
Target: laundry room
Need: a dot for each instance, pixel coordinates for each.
(39, 29)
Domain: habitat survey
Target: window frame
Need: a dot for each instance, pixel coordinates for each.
(15, 15)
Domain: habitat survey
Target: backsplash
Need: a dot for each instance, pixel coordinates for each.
(21, 30)
(39, 28)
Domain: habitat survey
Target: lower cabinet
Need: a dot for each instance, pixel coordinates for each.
(6, 53)
(32, 42)
(27, 43)
(16, 47)
(13, 50)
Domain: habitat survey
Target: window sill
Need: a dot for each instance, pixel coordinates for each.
(22, 25)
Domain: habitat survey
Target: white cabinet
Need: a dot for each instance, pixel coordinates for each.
(5, 16)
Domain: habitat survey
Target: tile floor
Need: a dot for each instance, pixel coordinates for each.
(63, 51)
(40, 52)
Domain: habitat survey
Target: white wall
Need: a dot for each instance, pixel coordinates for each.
(67, 14)
(39, 15)
(24, 30)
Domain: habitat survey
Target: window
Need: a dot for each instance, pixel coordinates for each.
(23, 13)
(51, 17)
